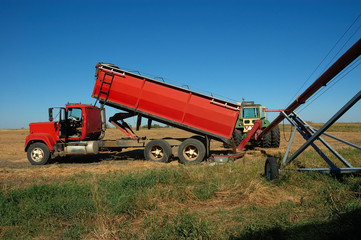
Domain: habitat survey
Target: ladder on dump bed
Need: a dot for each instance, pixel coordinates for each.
(105, 83)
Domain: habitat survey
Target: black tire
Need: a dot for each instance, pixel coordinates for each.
(200, 138)
(267, 140)
(276, 137)
(237, 137)
(191, 151)
(38, 153)
(271, 169)
(157, 151)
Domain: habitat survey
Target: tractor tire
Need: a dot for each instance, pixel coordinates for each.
(38, 154)
(275, 135)
(271, 169)
(157, 151)
(237, 137)
(191, 151)
(267, 140)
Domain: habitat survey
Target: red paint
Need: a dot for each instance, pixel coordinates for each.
(347, 58)
(257, 126)
(48, 132)
(170, 103)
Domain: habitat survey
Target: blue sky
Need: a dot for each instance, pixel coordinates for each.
(257, 50)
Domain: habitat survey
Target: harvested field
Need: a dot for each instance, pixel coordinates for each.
(14, 163)
(119, 195)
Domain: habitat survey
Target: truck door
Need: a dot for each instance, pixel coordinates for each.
(62, 123)
(74, 123)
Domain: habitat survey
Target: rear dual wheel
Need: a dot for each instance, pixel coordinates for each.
(158, 151)
(191, 151)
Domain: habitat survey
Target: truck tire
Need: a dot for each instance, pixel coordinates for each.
(191, 151)
(271, 169)
(201, 139)
(267, 140)
(275, 135)
(38, 153)
(157, 151)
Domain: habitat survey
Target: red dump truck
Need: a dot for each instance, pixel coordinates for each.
(80, 128)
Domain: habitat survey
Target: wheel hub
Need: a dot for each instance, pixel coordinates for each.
(191, 152)
(157, 152)
(37, 154)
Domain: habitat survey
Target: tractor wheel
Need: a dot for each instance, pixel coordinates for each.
(275, 135)
(191, 151)
(38, 153)
(157, 151)
(237, 137)
(267, 140)
(271, 169)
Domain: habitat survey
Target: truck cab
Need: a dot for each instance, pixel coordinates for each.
(75, 124)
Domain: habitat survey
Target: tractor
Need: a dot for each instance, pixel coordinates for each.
(249, 113)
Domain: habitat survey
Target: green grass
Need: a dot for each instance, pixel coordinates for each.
(230, 201)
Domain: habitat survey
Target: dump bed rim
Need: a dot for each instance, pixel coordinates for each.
(115, 69)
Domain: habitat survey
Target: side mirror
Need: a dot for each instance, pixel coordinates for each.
(51, 114)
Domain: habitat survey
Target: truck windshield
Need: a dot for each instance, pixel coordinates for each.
(250, 113)
(74, 113)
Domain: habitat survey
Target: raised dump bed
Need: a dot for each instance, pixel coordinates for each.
(166, 103)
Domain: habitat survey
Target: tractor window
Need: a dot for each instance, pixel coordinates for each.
(263, 113)
(250, 113)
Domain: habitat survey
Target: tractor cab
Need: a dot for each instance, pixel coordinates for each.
(250, 112)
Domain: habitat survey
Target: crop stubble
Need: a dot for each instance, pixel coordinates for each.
(14, 166)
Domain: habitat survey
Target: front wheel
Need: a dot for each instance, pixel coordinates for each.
(38, 154)
(271, 169)
(191, 151)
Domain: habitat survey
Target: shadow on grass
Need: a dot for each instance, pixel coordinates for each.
(133, 155)
(126, 156)
(345, 226)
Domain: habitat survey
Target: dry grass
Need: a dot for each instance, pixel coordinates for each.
(218, 202)
(14, 166)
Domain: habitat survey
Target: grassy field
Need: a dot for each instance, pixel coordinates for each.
(114, 198)
(336, 127)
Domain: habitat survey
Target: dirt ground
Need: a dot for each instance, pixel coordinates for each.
(14, 166)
